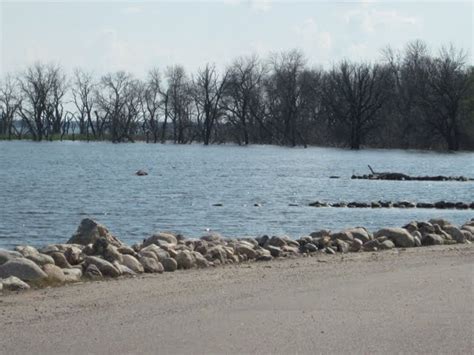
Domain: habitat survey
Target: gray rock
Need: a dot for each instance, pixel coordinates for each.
(151, 265)
(185, 260)
(55, 274)
(342, 246)
(212, 237)
(360, 233)
(200, 260)
(26, 250)
(356, 245)
(274, 251)
(60, 260)
(310, 248)
(92, 272)
(132, 263)
(74, 255)
(147, 254)
(111, 254)
(124, 270)
(440, 221)
(48, 249)
(126, 250)
(13, 283)
(344, 235)
(89, 231)
(277, 241)
(386, 245)
(169, 264)
(371, 245)
(73, 274)
(41, 259)
(455, 233)
(432, 239)
(329, 250)
(246, 250)
(399, 236)
(156, 238)
(321, 233)
(6, 255)
(23, 268)
(105, 267)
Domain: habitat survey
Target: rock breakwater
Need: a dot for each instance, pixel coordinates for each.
(93, 253)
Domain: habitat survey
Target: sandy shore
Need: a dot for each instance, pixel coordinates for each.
(418, 300)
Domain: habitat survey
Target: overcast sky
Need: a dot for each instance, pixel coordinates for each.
(135, 36)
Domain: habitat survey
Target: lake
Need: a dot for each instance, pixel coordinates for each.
(47, 188)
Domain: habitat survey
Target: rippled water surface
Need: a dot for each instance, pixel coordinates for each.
(47, 188)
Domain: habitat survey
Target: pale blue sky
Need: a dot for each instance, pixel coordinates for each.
(136, 36)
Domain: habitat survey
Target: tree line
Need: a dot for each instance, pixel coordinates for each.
(409, 99)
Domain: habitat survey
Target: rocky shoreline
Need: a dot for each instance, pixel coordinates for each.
(93, 253)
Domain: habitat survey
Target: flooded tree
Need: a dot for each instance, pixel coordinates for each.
(82, 88)
(447, 85)
(208, 91)
(118, 99)
(243, 95)
(152, 103)
(42, 90)
(10, 103)
(283, 89)
(353, 95)
(180, 103)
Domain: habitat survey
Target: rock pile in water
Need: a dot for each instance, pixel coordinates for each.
(442, 205)
(94, 253)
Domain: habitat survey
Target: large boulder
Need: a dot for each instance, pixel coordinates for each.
(89, 231)
(432, 239)
(169, 264)
(55, 274)
(92, 272)
(356, 245)
(132, 263)
(13, 283)
(185, 260)
(6, 255)
(60, 260)
(344, 235)
(360, 233)
(247, 250)
(399, 236)
(41, 259)
(160, 237)
(23, 268)
(151, 265)
(105, 267)
(455, 233)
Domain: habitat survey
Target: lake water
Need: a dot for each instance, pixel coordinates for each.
(47, 188)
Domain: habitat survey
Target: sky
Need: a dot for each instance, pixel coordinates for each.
(137, 36)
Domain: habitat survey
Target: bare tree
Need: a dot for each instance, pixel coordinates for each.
(152, 103)
(284, 90)
(243, 95)
(83, 87)
(118, 100)
(55, 107)
(208, 93)
(180, 102)
(448, 82)
(10, 102)
(36, 86)
(353, 96)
